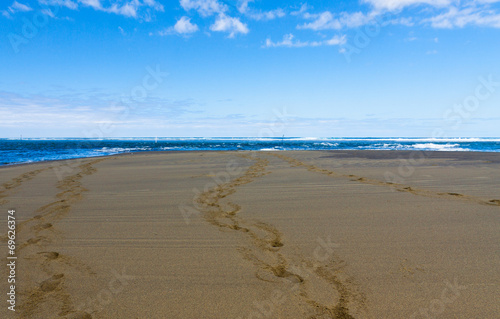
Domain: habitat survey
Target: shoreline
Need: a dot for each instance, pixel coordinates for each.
(464, 154)
(90, 157)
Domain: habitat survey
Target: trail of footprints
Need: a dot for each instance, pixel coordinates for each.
(265, 251)
(267, 242)
(398, 187)
(16, 182)
(40, 232)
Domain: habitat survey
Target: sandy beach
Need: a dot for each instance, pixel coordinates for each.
(317, 234)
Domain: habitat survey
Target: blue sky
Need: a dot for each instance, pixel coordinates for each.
(110, 68)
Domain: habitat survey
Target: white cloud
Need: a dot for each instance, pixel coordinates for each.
(462, 17)
(15, 7)
(260, 15)
(392, 5)
(62, 3)
(244, 5)
(48, 12)
(401, 21)
(204, 7)
(127, 9)
(267, 15)
(96, 4)
(184, 25)
(326, 20)
(288, 41)
(451, 14)
(153, 4)
(230, 25)
(336, 40)
(303, 9)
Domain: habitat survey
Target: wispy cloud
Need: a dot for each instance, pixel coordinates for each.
(230, 25)
(400, 4)
(49, 13)
(16, 7)
(460, 18)
(204, 7)
(290, 42)
(208, 8)
(327, 20)
(96, 4)
(267, 15)
(129, 8)
(440, 14)
(258, 14)
(303, 9)
(61, 3)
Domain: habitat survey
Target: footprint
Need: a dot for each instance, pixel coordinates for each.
(51, 255)
(276, 243)
(281, 272)
(43, 226)
(51, 283)
(456, 194)
(33, 241)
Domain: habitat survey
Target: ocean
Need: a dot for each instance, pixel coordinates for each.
(15, 151)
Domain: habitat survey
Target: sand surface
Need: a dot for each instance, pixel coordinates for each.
(340, 234)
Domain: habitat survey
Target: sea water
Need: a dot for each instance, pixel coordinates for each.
(13, 151)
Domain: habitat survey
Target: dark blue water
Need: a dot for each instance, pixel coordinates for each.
(36, 150)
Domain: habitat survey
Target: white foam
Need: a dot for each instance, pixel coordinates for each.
(270, 149)
(438, 147)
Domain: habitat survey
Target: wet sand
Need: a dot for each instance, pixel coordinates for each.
(338, 234)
